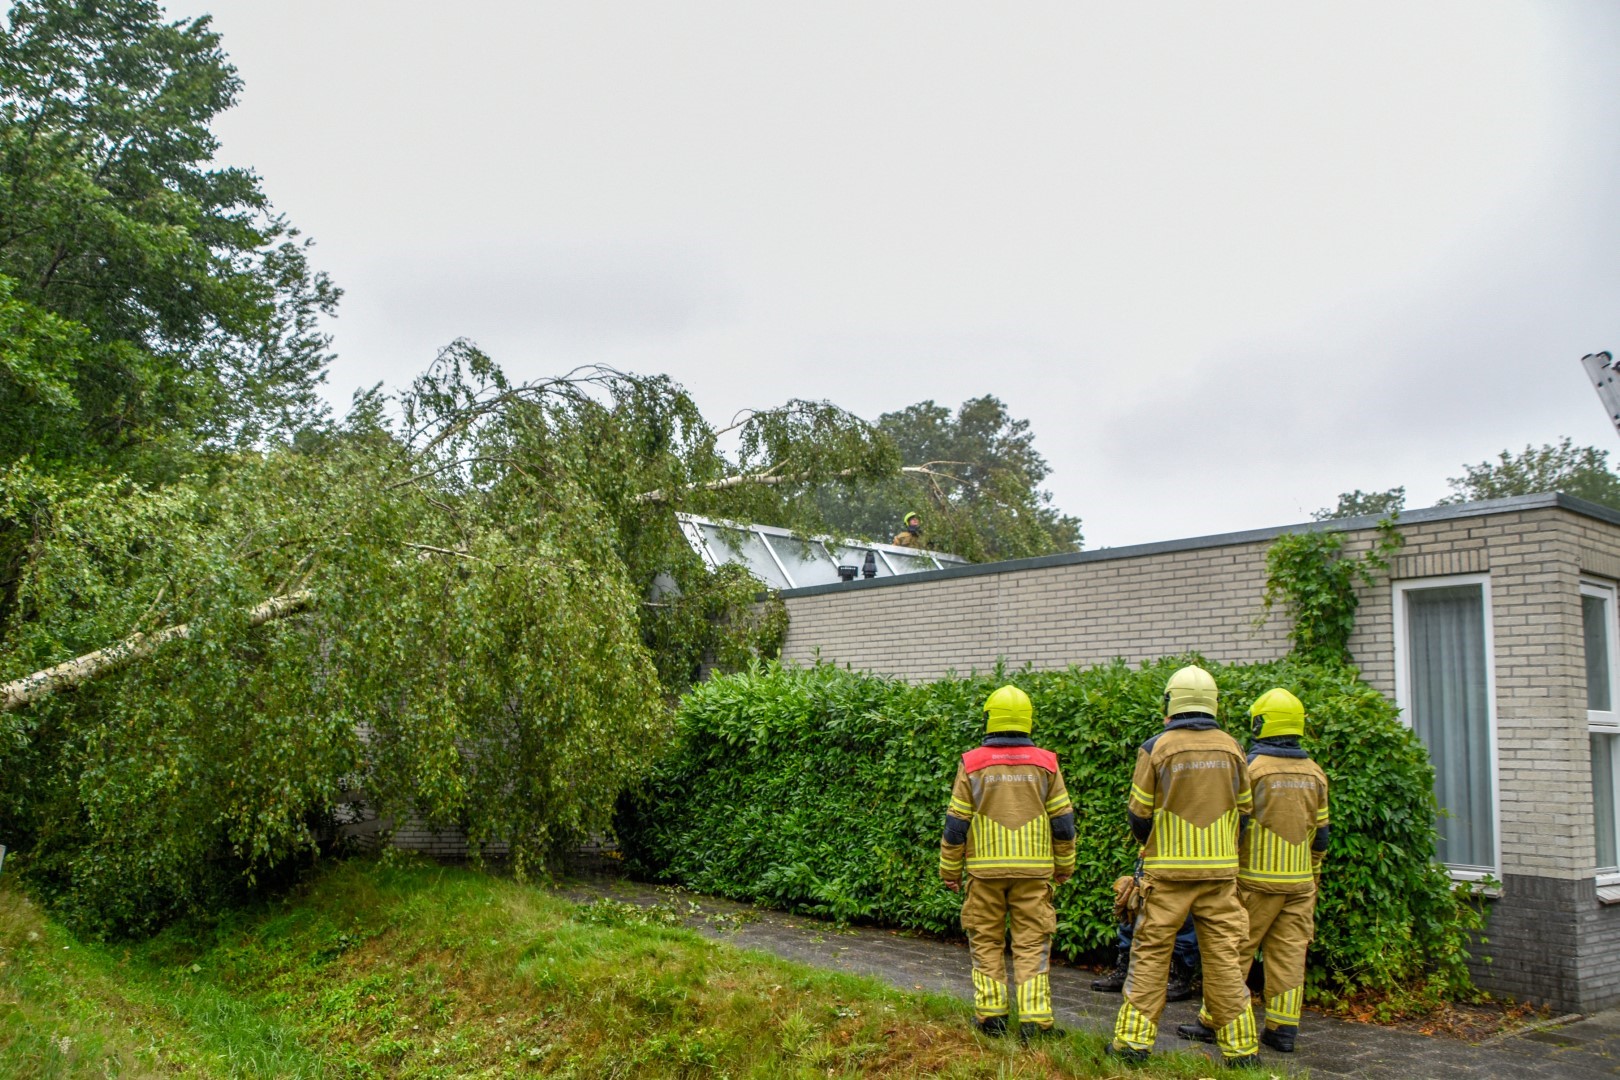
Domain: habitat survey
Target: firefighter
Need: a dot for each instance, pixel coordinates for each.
(1280, 859)
(1190, 787)
(911, 534)
(1010, 828)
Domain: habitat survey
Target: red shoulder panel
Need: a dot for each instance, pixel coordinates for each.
(985, 756)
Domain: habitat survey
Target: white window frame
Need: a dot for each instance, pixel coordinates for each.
(1403, 698)
(1598, 721)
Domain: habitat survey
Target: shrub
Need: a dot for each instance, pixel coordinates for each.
(821, 790)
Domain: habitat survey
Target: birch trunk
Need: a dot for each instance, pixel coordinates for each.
(70, 673)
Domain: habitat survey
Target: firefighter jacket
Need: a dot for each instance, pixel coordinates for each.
(1286, 837)
(907, 538)
(1010, 814)
(1190, 786)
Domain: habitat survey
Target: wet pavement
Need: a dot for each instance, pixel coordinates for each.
(1583, 1049)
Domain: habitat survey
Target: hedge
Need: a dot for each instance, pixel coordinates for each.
(822, 791)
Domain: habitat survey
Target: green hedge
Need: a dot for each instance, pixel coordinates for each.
(821, 790)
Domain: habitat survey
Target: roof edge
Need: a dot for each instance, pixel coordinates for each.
(1451, 512)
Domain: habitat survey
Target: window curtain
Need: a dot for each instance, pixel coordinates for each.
(1450, 713)
(1595, 616)
(1603, 766)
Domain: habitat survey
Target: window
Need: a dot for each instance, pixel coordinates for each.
(1603, 723)
(1445, 687)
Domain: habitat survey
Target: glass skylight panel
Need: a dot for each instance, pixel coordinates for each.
(784, 560)
(740, 546)
(910, 564)
(807, 562)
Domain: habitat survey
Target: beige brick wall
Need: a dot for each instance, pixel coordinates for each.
(1084, 613)
(1140, 606)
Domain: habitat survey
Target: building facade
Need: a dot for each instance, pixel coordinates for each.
(1497, 633)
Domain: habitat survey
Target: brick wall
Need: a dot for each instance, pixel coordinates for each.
(1552, 940)
(1084, 612)
(1597, 553)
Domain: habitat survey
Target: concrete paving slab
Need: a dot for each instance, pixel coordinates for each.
(1588, 1049)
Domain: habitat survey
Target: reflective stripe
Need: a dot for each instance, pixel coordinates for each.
(1181, 844)
(1134, 1028)
(1268, 857)
(1035, 1000)
(961, 808)
(1239, 1038)
(978, 867)
(989, 996)
(1141, 796)
(1284, 1009)
(998, 847)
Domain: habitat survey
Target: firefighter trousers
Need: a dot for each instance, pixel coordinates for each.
(988, 906)
(1282, 925)
(1222, 930)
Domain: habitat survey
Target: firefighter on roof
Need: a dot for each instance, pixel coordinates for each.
(1190, 786)
(1010, 829)
(911, 534)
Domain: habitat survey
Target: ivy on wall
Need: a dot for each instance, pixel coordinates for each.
(1311, 577)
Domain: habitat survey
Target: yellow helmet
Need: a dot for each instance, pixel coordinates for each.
(1277, 712)
(1190, 690)
(1008, 709)
(912, 514)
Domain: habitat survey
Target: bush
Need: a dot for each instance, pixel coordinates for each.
(821, 790)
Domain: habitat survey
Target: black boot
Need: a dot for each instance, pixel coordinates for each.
(1114, 981)
(1030, 1030)
(1180, 986)
(1196, 1030)
(1280, 1039)
(1127, 1054)
(1248, 1061)
(993, 1026)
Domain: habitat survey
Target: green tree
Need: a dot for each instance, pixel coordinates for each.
(453, 612)
(1360, 503)
(1582, 471)
(169, 304)
(973, 475)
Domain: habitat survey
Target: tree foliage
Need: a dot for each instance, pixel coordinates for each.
(822, 790)
(1360, 503)
(975, 480)
(485, 650)
(1582, 471)
(162, 303)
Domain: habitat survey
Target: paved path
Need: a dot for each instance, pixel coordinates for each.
(1584, 1050)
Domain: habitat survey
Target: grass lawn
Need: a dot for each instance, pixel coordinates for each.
(405, 968)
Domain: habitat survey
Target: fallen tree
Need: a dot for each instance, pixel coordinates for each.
(483, 572)
(64, 676)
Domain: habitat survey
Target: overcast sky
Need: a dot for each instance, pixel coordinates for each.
(1228, 259)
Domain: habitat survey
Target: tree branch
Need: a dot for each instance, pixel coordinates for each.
(64, 676)
(448, 551)
(770, 478)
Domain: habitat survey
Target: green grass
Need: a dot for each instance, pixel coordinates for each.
(404, 968)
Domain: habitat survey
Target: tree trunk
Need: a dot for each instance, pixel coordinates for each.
(70, 673)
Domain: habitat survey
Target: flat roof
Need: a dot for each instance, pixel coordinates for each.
(1545, 501)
